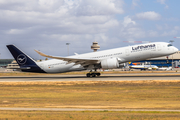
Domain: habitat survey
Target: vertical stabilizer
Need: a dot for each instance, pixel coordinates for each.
(26, 63)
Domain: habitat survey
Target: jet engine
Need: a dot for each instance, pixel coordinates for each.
(110, 63)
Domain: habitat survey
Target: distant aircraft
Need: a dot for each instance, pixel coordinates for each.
(142, 67)
(106, 59)
(165, 68)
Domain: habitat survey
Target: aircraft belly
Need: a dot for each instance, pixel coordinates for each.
(58, 68)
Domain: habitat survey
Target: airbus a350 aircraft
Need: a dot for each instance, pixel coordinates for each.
(107, 59)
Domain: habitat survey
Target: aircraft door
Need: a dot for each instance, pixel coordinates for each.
(127, 52)
(159, 47)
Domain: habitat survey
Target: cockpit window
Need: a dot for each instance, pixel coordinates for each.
(169, 45)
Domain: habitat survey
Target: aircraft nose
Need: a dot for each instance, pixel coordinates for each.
(176, 49)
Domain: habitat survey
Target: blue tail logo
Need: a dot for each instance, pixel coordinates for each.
(21, 59)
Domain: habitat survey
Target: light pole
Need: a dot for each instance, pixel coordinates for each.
(68, 47)
(171, 41)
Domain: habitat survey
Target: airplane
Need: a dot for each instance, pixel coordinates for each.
(142, 67)
(106, 59)
(165, 68)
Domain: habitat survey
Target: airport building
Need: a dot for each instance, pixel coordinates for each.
(165, 61)
(5, 62)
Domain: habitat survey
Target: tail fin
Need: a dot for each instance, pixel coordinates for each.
(134, 63)
(26, 63)
(21, 58)
(130, 64)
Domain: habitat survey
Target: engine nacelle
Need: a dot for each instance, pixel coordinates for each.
(110, 63)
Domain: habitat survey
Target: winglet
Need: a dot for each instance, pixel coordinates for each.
(42, 54)
(76, 53)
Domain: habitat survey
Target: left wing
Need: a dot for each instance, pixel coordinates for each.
(83, 62)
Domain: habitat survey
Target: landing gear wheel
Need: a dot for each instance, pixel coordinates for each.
(98, 74)
(88, 75)
(94, 74)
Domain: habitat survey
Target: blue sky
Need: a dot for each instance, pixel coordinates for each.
(47, 25)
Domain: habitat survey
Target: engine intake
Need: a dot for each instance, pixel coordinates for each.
(110, 63)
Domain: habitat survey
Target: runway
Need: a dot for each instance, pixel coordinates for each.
(103, 77)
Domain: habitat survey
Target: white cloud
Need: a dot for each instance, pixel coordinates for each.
(128, 29)
(152, 33)
(45, 10)
(151, 15)
(80, 22)
(163, 2)
(167, 30)
(167, 27)
(59, 20)
(172, 19)
(50, 5)
(169, 33)
(136, 33)
(10, 1)
(176, 28)
(159, 27)
(128, 21)
(135, 3)
(15, 31)
(99, 7)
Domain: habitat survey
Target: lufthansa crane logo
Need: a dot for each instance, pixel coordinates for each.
(21, 59)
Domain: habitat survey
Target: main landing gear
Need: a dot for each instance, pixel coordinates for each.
(93, 74)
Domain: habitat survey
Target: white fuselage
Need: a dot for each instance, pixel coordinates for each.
(124, 54)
